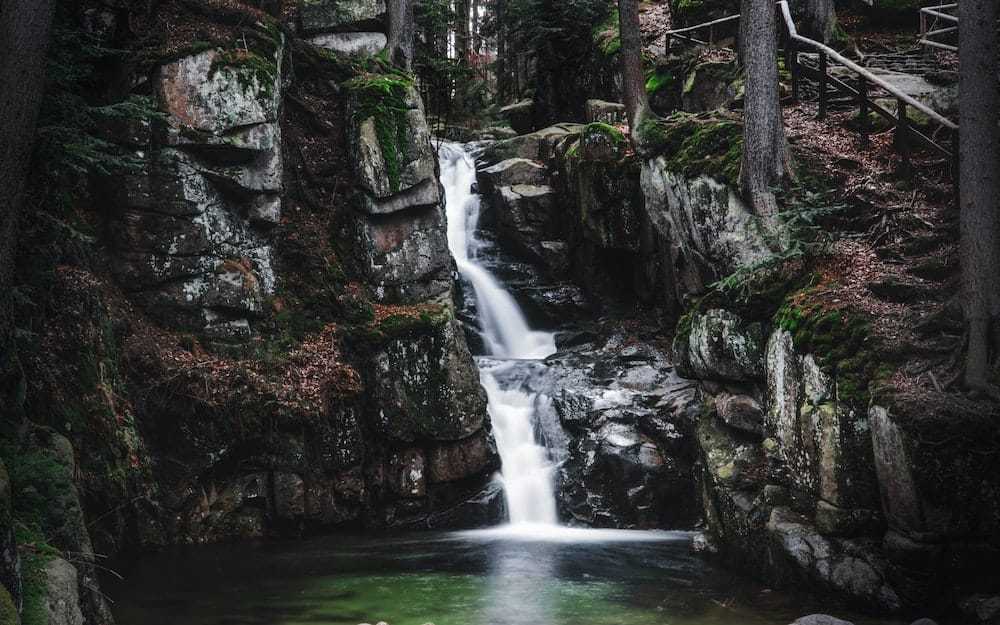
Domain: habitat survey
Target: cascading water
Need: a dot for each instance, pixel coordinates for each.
(527, 471)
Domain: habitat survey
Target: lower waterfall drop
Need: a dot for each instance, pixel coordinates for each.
(526, 468)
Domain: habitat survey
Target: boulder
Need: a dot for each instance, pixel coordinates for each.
(342, 15)
(707, 230)
(486, 508)
(426, 387)
(719, 345)
(740, 412)
(824, 445)
(351, 44)
(709, 86)
(820, 619)
(524, 214)
(463, 459)
(601, 142)
(405, 255)
(605, 112)
(511, 172)
(521, 116)
(536, 146)
(62, 599)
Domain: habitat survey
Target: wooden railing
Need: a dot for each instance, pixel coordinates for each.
(930, 20)
(864, 88)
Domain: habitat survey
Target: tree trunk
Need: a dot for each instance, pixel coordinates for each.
(816, 18)
(765, 151)
(477, 39)
(463, 42)
(979, 169)
(633, 82)
(24, 38)
(401, 33)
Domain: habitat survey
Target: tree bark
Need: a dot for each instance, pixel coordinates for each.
(401, 30)
(817, 18)
(765, 151)
(24, 38)
(633, 81)
(979, 195)
(463, 42)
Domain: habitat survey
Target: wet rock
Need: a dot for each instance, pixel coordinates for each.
(983, 608)
(486, 508)
(463, 459)
(536, 146)
(741, 412)
(62, 599)
(341, 15)
(521, 116)
(524, 214)
(352, 44)
(427, 387)
(289, 495)
(605, 112)
(601, 144)
(408, 474)
(720, 345)
(511, 172)
(820, 619)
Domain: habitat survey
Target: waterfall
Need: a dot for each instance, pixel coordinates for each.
(526, 469)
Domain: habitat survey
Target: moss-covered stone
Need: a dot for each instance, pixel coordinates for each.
(383, 98)
(695, 145)
(840, 340)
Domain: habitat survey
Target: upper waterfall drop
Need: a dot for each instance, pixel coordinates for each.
(526, 467)
(505, 330)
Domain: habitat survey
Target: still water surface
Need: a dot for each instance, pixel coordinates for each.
(465, 578)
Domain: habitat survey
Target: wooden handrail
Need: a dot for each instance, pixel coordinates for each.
(861, 71)
(721, 20)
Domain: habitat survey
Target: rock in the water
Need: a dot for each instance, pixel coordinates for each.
(62, 599)
(820, 619)
(511, 172)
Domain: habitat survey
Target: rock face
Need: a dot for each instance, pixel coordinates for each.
(191, 229)
(606, 112)
(706, 230)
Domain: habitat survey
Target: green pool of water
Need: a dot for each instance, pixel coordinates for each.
(450, 579)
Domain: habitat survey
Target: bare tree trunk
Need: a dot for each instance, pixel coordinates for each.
(401, 29)
(979, 169)
(463, 42)
(24, 38)
(477, 38)
(765, 151)
(817, 18)
(633, 83)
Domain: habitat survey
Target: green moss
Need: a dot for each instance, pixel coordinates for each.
(696, 145)
(8, 612)
(382, 97)
(840, 340)
(660, 79)
(606, 35)
(690, 12)
(252, 71)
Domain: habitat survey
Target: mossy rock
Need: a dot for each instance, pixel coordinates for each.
(8, 612)
(842, 343)
(695, 145)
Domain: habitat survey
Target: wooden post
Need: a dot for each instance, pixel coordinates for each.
(902, 138)
(863, 113)
(822, 85)
(793, 68)
(666, 44)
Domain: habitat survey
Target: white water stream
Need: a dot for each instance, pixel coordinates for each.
(527, 471)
